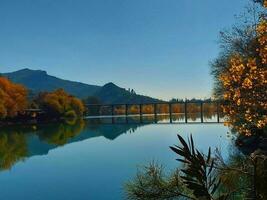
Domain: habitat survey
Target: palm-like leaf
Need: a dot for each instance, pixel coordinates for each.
(199, 171)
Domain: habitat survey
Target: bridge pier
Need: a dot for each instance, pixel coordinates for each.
(126, 110)
(156, 108)
(170, 112)
(218, 112)
(201, 112)
(141, 112)
(185, 111)
(155, 113)
(112, 110)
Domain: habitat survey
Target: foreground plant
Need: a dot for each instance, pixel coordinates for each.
(202, 177)
(195, 181)
(152, 183)
(198, 175)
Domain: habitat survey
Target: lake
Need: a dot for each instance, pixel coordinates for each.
(91, 160)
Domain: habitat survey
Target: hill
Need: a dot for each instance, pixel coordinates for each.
(111, 93)
(38, 80)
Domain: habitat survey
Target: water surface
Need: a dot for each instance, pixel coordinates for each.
(85, 160)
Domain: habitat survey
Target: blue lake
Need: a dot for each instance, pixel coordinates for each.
(91, 161)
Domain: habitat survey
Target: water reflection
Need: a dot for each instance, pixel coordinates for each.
(90, 158)
(159, 118)
(20, 142)
(60, 134)
(13, 148)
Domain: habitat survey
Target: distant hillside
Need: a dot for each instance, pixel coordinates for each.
(38, 80)
(111, 93)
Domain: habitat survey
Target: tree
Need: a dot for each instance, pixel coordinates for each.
(13, 98)
(60, 104)
(240, 75)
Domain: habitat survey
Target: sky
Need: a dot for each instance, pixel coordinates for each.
(160, 48)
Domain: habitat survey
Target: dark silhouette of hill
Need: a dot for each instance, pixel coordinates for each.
(38, 80)
(111, 93)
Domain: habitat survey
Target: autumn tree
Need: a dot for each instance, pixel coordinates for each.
(13, 98)
(241, 75)
(60, 104)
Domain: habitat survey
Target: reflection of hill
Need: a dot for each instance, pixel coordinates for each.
(109, 131)
(17, 143)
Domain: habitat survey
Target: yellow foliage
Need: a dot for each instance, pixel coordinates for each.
(61, 104)
(245, 86)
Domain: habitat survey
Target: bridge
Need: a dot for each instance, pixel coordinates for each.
(156, 110)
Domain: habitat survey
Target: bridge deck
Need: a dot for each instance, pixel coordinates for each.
(111, 111)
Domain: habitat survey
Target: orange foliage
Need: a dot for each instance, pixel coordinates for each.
(245, 86)
(13, 98)
(60, 103)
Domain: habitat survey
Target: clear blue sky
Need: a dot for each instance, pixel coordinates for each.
(161, 48)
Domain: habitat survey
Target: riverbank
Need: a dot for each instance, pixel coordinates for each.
(33, 120)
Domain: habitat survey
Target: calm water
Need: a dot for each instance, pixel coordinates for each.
(84, 160)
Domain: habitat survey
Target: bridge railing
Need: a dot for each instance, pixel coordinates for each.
(189, 109)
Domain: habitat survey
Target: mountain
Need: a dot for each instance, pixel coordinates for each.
(111, 93)
(38, 80)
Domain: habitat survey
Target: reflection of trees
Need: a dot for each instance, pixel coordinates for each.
(59, 134)
(13, 140)
(13, 148)
(17, 143)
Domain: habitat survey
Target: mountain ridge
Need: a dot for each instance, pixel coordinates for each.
(40, 80)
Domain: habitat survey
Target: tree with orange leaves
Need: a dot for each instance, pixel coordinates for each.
(13, 98)
(241, 77)
(60, 104)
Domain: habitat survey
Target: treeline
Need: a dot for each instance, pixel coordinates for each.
(15, 106)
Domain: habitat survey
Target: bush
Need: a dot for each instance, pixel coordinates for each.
(13, 98)
(60, 104)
